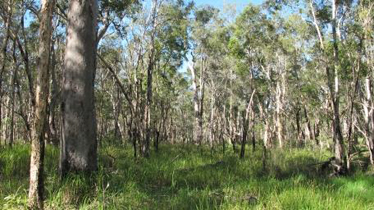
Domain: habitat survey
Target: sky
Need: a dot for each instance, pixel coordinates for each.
(240, 4)
(219, 3)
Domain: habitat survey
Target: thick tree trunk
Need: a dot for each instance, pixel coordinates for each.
(36, 189)
(79, 141)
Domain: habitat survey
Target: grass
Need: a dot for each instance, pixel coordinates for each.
(184, 177)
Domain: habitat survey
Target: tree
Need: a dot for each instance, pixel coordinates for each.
(40, 122)
(335, 93)
(333, 81)
(7, 24)
(199, 42)
(79, 143)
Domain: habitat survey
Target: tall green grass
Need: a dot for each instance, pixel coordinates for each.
(185, 177)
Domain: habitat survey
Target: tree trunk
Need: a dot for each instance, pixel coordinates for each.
(308, 127)
(245, 127)
(211, 123)
(22, 113)
(13, 98)
(335, 93)
(244, 135)
(201, 102)
(368, 116)
(36, 189)
(300, 134)
(151, 64)
(79, 140)
(278, 120)
(7, 24)
(25, 54)
(223, 130)
(117, 111)
(196, 89)
(351, 128)
(54, 98)
(316, 132)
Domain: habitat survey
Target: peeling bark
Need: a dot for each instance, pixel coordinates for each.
(36, 190)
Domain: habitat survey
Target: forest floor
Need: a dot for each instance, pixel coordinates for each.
(185, 177)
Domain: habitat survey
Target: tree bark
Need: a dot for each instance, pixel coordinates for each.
(54, 98)
(201, 101)
(196, 89)
(211, 123)
(278, 120)
(7, 24)
(79, 140)
(245, 127)
(335, 93)
(151, 64)
(368, 117)
(36, 189)
(13, 98)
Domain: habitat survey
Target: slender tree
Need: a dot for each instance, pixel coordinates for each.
(40, 122)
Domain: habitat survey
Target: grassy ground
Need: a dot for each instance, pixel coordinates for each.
(180, 177)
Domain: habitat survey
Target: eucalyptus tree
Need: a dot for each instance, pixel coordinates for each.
(7, 20)
(79, 140)
(172, 41)
(218, 66)
(167, 47)
(144, 65)
(36, 191)
(16, 69)
(252, 44)
(198, 64)
(334, 47)
(360, 42)
(335, 67)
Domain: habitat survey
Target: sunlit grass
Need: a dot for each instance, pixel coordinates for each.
(184, 177)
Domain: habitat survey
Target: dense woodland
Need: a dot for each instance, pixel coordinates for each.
(164, 104)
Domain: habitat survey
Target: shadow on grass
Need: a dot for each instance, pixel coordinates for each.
(183, 177)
